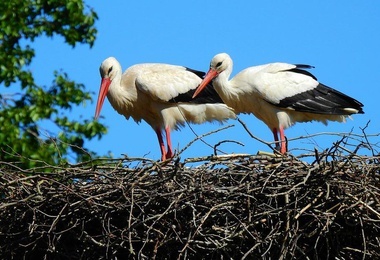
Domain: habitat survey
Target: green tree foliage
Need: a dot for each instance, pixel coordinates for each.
(22, 114)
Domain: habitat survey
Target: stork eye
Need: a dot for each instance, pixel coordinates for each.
(219, 64)
(109, 70)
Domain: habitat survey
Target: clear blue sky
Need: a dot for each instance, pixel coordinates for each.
(340, 38)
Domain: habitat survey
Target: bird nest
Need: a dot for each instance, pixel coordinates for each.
(229, 206)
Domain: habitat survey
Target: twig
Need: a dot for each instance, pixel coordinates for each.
(131, 250)
(365, 205)
(200, 137)
(225, 141)
(254, 137)
(308, 205)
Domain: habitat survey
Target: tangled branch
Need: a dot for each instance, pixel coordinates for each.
(230, 206)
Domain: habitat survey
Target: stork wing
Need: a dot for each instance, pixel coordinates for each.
(165, 82)
(276, 81)
(291, 87)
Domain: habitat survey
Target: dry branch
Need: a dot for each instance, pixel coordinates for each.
(229, 206)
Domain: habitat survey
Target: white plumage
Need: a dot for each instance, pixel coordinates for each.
(161, 95)
(279, 94)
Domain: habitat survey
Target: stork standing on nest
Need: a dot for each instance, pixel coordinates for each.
(279, 94)
(161, 95)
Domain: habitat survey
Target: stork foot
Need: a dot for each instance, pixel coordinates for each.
(166, 156)
(169, 154)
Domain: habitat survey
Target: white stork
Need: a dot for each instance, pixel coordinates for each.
(160, 94)
(279, 94)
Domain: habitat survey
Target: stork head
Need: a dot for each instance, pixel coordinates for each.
(220, 63)
(109, 69)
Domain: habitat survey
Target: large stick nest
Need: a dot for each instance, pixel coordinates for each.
(231, 206)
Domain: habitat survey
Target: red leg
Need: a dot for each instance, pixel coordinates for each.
(284, 148)
(170, 153)
(275, 135)
(161, 143)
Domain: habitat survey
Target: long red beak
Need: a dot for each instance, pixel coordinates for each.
(104, 86)
(211, 74)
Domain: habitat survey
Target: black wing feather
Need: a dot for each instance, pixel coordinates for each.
(199, 73)
(300, 68)
(322, 100)
(304, 66)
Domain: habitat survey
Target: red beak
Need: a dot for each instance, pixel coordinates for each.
(211, 74)
(104, 86)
